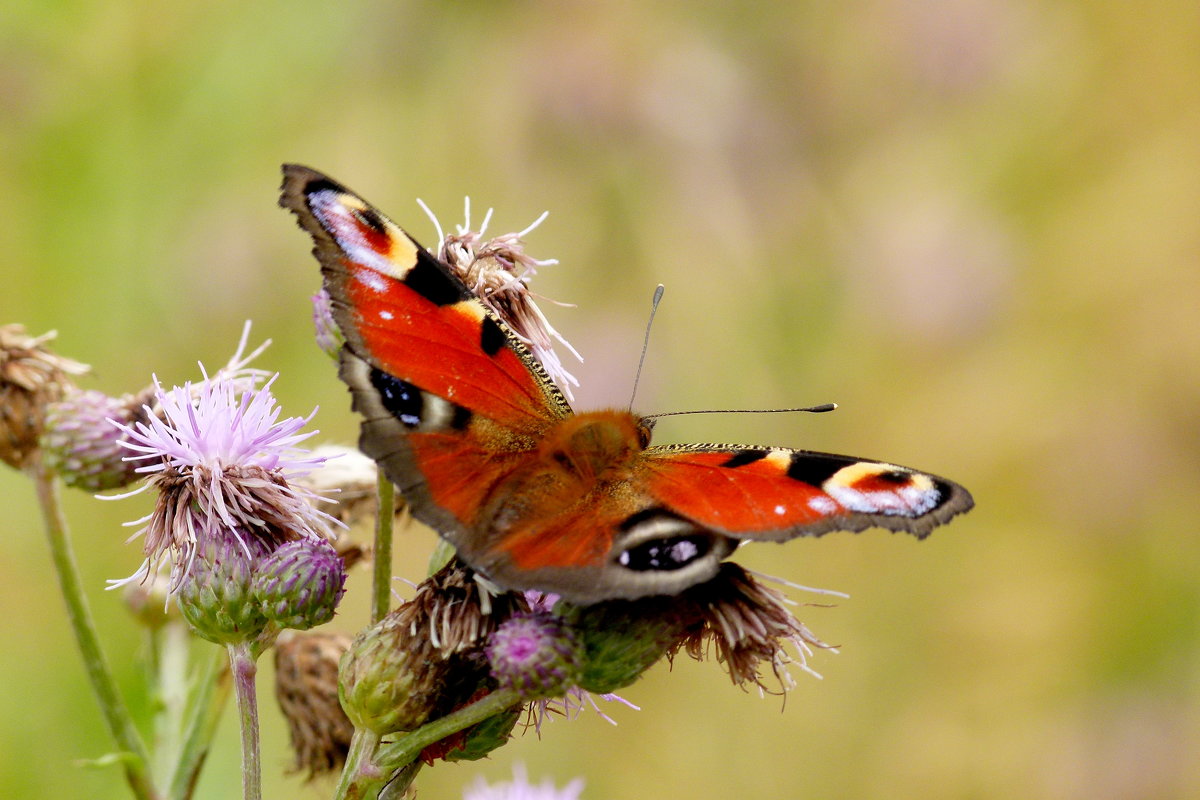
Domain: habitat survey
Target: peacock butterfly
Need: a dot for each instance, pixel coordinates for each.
(487, 451)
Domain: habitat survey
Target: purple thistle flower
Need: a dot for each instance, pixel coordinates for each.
(221, 458)
(329, 336)
(521, 789)
(535, 654)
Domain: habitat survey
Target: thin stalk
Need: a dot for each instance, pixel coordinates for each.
(397, 785)
(136, 759)
(405, 750)
(211, 693)
(242, 664)
(381, 596)
(169, 654)
(360, 765)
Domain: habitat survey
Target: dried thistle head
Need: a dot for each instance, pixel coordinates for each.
(31, 377)
(306, 687)
(498, 270)
(747, 624)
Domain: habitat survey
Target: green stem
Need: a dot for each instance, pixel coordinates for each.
(397, 786)
(169, 654)
(135, 759)
(211, 694)
(241, 664)
(381, 598)
(404, 751)
(360, 765)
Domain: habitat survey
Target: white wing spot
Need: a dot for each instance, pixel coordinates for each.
(386, 315)
(779, 509)
(372, 280)
(822, 505)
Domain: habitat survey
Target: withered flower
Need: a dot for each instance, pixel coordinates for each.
(306, 687)
(31, 377)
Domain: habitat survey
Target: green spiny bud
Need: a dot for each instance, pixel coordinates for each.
(299, 585)
(389, 679)
(216, 593)
(623, 638)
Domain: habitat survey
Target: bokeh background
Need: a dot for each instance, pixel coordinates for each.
(973, 224)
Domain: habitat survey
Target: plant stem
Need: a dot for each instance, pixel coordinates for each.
(405, 750)
(169, 656)
(381, 597)
(135, 758)
(397, 785)
(360, 765)
(242, 664)
(211, 693)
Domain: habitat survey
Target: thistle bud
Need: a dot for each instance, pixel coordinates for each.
(147, 601)
(621, 639)
(83, 446)
(536, 654)
(423, 659)
(300, 583)
(329, 336)
(390, 679)
(216, 593)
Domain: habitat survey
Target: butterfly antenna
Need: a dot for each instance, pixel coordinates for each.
(658, 294)
(821, 409)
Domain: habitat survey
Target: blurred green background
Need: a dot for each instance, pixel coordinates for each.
(975, 225)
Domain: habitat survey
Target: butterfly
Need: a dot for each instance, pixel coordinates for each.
(487, 451)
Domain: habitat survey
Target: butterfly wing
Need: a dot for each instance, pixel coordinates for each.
(684, 508)
(452, 401)
(775, 494)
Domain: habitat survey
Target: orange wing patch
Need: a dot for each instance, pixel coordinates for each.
(753, 497)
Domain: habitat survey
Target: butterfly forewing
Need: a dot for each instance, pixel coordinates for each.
(451, 400)
(409, 316)
(776, 493)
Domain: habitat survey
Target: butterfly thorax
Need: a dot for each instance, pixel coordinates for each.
(597, 446)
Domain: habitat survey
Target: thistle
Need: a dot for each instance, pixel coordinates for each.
(306, 687)
(31, 377)
(84, 447)
(221, 460)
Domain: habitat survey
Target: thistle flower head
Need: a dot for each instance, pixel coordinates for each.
(217, 595)
(536, 654)
(498, 270)
(299, 584)
(222, 459)
(748, 625)
(423, 659)
(83, 446)
(31, 377)
(329, 336)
